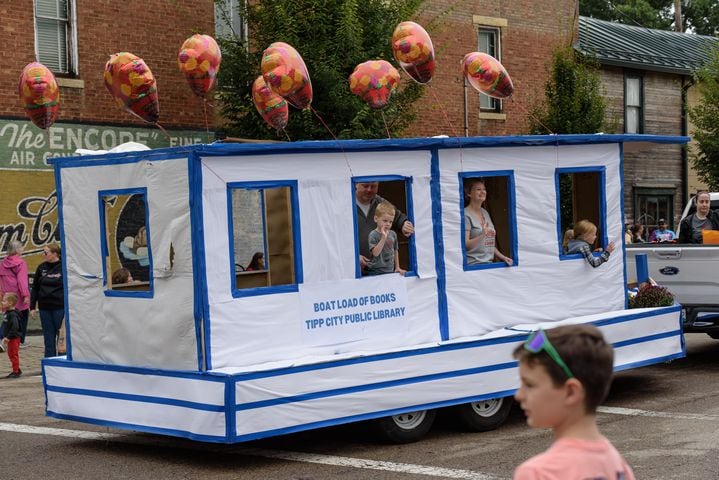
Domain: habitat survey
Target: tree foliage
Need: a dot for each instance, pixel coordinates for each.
(705, 117)
(573, 104)
(333, 36)
(698, 16)
(573, 99)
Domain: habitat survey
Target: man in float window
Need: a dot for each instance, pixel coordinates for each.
(366, 199)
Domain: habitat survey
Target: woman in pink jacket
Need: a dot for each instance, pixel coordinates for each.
(13, 279)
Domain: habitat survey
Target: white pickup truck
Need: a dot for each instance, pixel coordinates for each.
(690, 272)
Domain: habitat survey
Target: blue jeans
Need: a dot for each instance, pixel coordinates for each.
(51, 322)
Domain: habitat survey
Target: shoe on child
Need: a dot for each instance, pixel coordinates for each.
(15, 374)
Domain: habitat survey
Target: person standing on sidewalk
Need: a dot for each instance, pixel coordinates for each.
(49, 298)
(11, 325)
(13, 279)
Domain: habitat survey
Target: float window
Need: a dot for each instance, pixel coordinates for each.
(126, 250)
(264, 238)
(366, 194)
(580, 196)
(489, 227)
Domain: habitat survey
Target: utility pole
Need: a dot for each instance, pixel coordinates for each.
(678, 16)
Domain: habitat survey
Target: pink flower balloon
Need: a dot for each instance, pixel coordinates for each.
(486, 74)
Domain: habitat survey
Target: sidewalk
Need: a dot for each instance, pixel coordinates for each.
(30, 358)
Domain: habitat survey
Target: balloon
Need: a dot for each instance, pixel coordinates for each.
(132, 85)
(286, 74)
(39, 94)
(486, 74)
(199, 60)
(374, 82)
(413, 50)
(271, 106)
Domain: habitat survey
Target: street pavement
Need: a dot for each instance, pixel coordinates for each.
(30, 358)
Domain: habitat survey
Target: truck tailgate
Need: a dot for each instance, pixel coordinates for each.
(690, 272)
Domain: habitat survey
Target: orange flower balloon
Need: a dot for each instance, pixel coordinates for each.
(199, 60)
(39, 94)
(374, 82)
(286, 74)
(132, 85)
(271, 106)
(413, 50)
(486, 74)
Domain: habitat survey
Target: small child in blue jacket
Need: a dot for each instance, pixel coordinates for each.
(11, 327)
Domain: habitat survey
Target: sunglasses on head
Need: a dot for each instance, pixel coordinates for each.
(538, 341)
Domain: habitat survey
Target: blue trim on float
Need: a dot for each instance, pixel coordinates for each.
(647, 338)
(601, 170)
(199, 280)
(188, 374)
(436, 200)
(155, 155)
(104, 249)
(218, 149)
(511, 211)
(367, 416)
(378, 358)
(63, 256)
(129, 397)
(139, 428)
(375, 386)
(296, 237)
(651, 361)
(231, 413)
(355, 219)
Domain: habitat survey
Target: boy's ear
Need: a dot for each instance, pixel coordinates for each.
(574, 392)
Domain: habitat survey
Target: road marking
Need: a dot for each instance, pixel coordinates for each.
(332, 460)
(635, 412)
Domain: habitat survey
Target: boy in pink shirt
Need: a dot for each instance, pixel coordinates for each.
(565, 374)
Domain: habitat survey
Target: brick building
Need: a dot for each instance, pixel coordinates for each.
(75, 38)
(522, 34)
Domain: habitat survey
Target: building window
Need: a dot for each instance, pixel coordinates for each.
(264, 238)
(489, 44)
(55, 35)
(633, 104)
(490, 235)
(651, 204)
(580, 196)
(125, 241)
(229, 19)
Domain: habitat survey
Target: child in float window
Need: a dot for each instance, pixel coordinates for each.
(565, 374)
(384, 250)
(585, 234)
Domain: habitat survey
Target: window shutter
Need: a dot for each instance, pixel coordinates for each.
(51, 19)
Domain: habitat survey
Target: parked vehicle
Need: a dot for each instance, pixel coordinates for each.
(198, 348)
(690, 273)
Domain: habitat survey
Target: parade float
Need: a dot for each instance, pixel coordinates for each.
(197, 345)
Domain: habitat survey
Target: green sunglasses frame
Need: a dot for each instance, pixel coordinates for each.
(549, 348)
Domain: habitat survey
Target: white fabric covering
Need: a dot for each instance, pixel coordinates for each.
(149, 332)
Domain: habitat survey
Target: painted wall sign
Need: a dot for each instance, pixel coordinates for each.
(24, 146)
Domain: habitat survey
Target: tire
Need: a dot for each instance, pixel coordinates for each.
(484, 415)
(405, 427)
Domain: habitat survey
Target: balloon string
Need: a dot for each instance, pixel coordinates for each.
(451, 127)
(207, 125)
(163, 130)
(286, 135)
(347, 160)
(521, 107)
(385, 125)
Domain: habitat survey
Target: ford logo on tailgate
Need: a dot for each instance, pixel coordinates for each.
(669, 270)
